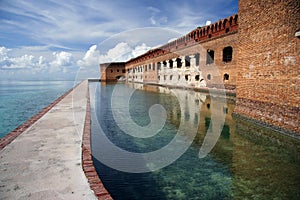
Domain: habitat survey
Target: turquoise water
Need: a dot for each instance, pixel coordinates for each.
(247, 161)
(20, 100)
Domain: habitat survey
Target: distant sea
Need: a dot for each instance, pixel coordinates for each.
(20, 100)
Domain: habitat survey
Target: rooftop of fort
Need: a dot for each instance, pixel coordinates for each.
(199, 35)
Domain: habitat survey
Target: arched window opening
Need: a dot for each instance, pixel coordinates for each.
(179, 64)
(208, 106)
(158, 66)
(227, 54)
(171, 64)
(171, 76)
(187, 61)
(186, 77)
(197, 77)
(226, 77)
(165, 64)
(210, 56)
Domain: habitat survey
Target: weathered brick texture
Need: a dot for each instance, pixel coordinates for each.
(268, 79)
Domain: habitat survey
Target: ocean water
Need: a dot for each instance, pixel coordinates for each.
(20, 100)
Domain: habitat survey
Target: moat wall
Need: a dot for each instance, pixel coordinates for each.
(268, 81)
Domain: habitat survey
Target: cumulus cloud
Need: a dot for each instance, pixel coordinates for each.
(63, 63)
(29, 65)
(91, 58)
(139, 50)
(63, 58)
(120, 53)
(22, 62)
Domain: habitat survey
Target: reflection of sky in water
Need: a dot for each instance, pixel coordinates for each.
(247, 162)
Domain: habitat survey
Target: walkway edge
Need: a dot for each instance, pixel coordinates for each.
(87, 163)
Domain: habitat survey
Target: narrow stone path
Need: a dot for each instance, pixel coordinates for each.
(44, 162)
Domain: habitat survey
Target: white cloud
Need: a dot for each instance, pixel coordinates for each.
(121, 52)
(90, 59)
(153, 9)
(63, 59)
(208, 22)
(30, 66)
(139, 50)
(22, 62)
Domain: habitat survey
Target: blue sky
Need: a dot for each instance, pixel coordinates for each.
(53, 39)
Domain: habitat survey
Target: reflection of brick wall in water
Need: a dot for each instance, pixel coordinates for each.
(268, 82)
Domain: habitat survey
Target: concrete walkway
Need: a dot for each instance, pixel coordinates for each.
(44, 162)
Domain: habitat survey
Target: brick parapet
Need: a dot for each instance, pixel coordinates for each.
(213, 31)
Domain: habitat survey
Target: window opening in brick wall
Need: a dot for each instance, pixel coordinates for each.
(179, 64)
(186, 77)
(210, 56)
(226, 77)
(171, 64)
(227, 54)
(187, 61)
(208, 76)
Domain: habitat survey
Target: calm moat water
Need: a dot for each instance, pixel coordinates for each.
(247, 161)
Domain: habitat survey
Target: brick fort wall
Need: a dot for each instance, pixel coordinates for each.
(268, 79)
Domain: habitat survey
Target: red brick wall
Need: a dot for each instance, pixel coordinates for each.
(268, 81)
(110, 71)
(216, 37)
